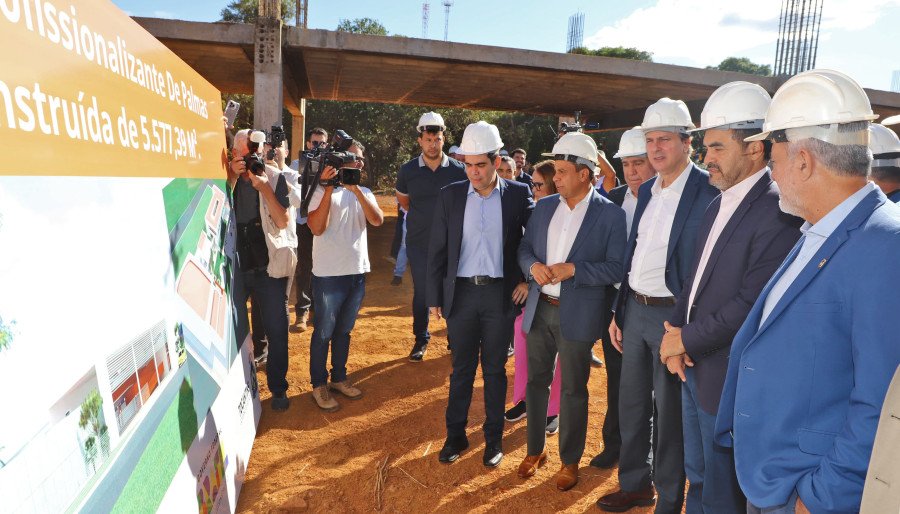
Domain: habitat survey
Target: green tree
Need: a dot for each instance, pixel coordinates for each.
(6, 334)
(743, 65)
(619, 52)
(362, 26)
(91, 420)
(246, 11)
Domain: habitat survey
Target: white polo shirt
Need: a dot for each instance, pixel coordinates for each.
(647, 275)
(343, 248)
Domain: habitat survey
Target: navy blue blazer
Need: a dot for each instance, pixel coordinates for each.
(748, 251)
(446, 240)
(597, 254)
(617, 195)
(696, 197)
(804, 390)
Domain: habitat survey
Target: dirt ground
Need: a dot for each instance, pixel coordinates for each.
(308, 460)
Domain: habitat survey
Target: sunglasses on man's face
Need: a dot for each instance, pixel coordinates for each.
(538, 185)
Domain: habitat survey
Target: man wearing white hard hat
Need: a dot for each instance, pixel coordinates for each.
(572, 250)
(743, 238)
(454, 153)
(659, 254)
(809, 368)
(637, 170)
(472, 274)
(885, 147)
(418, 184)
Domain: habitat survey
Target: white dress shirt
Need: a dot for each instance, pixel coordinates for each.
(814, 236)
(731, 199)
(629, 204)
(561, 235)
(647, 275)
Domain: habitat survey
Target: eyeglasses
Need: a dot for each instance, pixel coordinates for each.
(537, 185)
(316, 144)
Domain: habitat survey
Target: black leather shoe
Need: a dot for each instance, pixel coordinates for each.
(492, 455)
(451, 450)
(280, 402)
(606, 459)
(418, 352)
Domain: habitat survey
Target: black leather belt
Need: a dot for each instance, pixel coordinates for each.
(480, 280)
(654, 301)
(552, 300)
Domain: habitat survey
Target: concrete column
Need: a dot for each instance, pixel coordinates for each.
(298, 131)
(268, 90)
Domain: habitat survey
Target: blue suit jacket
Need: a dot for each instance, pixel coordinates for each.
(695, 198)
(446, 239)
(895, 196)
(749, 249)
(597, 254)
(804, 391)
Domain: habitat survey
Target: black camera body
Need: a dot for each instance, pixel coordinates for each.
(275, 138)
(254, 164)
(334, 154)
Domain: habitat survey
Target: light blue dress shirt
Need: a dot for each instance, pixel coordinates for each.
(481, 252)
(814, 237)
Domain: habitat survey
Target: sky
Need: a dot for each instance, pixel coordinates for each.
(858, 37)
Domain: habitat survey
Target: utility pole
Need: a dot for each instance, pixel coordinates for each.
(447, 5)
(425, 9)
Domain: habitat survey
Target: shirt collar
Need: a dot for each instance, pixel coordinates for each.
(445, 160)
(583, 201)
(496, 187)
(830, 221)
(740, 190)
(677, 186)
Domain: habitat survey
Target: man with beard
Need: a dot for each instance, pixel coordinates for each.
(743, 238)
(418, 184)
(809, 368)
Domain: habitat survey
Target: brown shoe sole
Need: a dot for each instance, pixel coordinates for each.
(532, 470)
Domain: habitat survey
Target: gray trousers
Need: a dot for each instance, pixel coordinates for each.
(544, 342)
(646, 380)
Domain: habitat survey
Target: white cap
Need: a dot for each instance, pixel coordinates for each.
(667, 115)
(813, 104)
(480, 138)
(258, 136)
(632, 144)
(736, 105)
(576, 147)
(453, 149)
(431, 119)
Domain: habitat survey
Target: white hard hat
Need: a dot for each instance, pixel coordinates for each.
(632, 143)
(480, 138)
(430, 119)
(815, 98)
(736, 105)
(667, 115)
(453, 149)
(576, 147)
(882, 140)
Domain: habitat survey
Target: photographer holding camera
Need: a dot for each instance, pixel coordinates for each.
(266, 251)
(339, 209)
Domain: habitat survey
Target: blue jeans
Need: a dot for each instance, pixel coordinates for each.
(400, 267)
(270, 296)
(337, 301)
(709, 467)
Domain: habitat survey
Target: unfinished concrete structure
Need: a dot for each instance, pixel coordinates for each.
(329, 65)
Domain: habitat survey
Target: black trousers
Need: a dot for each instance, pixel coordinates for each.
(612, 440)
(418, 261)
(478, 328)
(303, 273)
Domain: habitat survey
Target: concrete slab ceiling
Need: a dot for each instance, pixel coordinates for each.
(324, 64)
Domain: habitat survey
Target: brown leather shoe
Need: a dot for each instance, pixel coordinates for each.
(567, 477)
(531, 463)
(620, 501)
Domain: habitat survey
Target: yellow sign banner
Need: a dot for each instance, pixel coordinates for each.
(86, 91)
